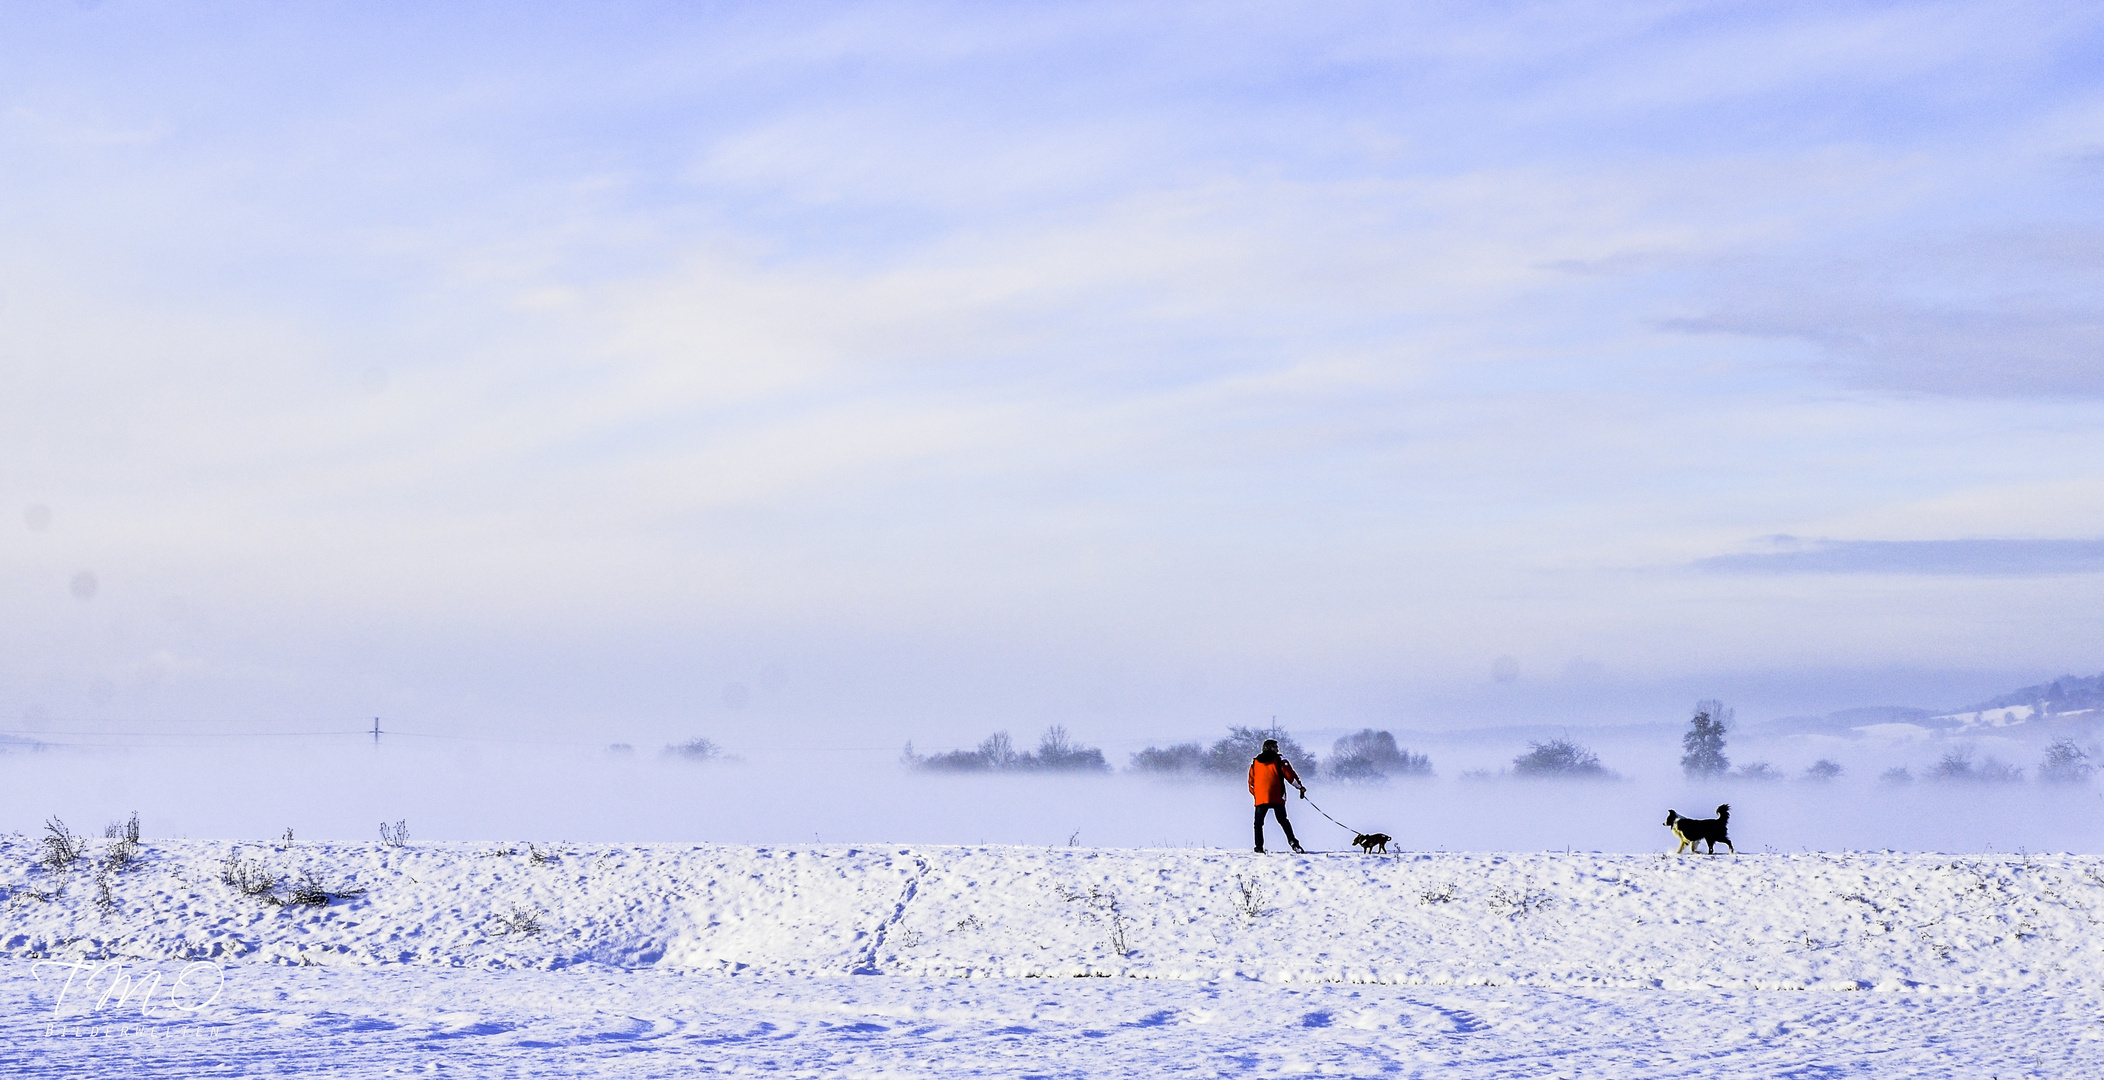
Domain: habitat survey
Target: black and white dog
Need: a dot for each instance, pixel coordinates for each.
(1712, 831)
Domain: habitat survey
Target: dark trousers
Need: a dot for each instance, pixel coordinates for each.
(1279, 809)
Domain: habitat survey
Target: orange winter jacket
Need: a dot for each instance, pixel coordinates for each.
(1267, 780)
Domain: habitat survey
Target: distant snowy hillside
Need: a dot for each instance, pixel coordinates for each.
(1847, 720)
(2064, 698)
(1769, 921)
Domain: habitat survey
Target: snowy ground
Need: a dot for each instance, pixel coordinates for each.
(884, 960)
(275, 1020)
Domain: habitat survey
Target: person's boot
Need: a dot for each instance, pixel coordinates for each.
(1260, 839)
(1294, 842)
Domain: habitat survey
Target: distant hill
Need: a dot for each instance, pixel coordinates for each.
(2067, 697)
(1845, 721)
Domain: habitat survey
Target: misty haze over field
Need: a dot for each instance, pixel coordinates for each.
(813, 382)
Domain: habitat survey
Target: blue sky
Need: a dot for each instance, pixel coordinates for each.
(844, 374)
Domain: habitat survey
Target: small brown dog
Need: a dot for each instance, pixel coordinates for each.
(1370, 841)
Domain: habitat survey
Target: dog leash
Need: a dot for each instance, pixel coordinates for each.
(1325, 813)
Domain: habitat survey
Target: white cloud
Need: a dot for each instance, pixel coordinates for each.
(993, 353)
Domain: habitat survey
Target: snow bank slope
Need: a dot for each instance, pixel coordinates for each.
(1844, 921)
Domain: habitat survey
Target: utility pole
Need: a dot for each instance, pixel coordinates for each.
(376, 733)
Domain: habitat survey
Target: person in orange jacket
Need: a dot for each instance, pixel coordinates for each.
(1268, 776)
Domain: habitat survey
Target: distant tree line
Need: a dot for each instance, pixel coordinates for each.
(1370, 755)
(1703, 758)
(1364, 755)
(1056, 752)
(2064, 763)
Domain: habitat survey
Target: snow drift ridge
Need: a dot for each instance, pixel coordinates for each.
(1840, 921)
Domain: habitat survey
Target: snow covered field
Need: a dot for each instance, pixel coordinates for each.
(274, 1020)
(831, 960)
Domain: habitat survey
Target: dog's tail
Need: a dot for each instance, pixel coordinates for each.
(1724, 813)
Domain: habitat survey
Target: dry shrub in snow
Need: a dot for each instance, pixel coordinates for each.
(249, 877)
(127, 831)
(1101, 903)
(519, 921)
(62, 848)
(395, 835)
(1250, 897)
(120, 855)
(310, 891)
(1518, 902)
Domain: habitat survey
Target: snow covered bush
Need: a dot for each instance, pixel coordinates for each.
(1758, 770)
(1823, 770)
